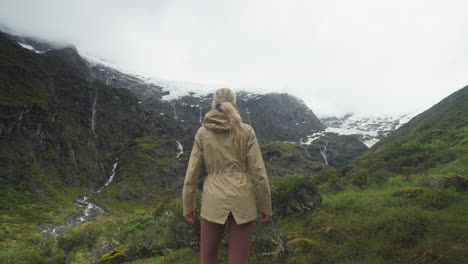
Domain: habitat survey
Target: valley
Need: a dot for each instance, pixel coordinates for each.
(93, 158)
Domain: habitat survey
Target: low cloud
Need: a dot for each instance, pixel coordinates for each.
(369, 57)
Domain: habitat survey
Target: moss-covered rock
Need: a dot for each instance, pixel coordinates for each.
(410, 191)
(115, 255)
(447, 180)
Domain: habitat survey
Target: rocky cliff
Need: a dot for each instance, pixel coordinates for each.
(57, 127)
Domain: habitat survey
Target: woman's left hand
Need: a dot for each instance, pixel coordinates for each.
(265, 219)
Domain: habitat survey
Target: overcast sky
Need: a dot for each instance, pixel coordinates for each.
(369, 57)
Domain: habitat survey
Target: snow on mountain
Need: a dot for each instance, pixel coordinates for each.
(181, 88)
(171, 89)
(369, 130)
(29, 47)
(95, 62)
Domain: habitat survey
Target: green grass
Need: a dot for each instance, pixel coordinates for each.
(29, 209)
(378, 224)
(20, 241)
(372, 225)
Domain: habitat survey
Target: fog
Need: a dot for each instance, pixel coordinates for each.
(366, 56)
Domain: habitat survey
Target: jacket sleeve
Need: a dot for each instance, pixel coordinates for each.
(256, 168)
(194, 169)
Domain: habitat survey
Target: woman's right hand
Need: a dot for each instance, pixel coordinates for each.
(190, 217)
(265, 219)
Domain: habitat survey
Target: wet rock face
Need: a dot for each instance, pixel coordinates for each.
(277, 117)
(340, 149)
(55, 125)
(271, 155)
(69, 58)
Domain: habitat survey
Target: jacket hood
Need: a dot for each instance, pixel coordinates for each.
(216, 121)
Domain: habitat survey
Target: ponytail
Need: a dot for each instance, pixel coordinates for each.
(224, 100)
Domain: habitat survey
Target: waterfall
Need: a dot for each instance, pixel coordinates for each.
(248, 116)
(323, 150)
(200, 115)
(111, 177)
(88, 210)
(180, 149)
(109, 79)
(199, 106)
(308, 155)
(175, 113)
(93, 113)
(73, 156)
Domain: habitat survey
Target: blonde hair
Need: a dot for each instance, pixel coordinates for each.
(224, 100)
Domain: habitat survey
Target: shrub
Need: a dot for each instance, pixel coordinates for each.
(404, 227)
(329, 180)
(294, 194)
(266, 239)
(358, 177)
(82, 236)
(436, 198)
(178, 233)
(380, 177)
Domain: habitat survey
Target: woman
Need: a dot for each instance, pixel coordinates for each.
(229, 152)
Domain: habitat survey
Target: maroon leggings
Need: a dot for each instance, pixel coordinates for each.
(239, 241)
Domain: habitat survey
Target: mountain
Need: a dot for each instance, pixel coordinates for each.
(276, 117)
(279, 117)
(435, 141)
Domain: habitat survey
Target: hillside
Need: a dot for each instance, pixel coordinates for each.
(434, 142)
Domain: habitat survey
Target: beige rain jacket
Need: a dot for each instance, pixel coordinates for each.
(227, 187)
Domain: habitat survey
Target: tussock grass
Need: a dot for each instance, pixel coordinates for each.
(370, 225)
